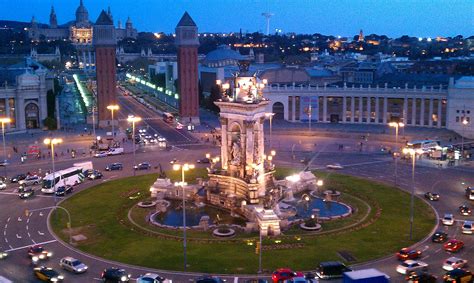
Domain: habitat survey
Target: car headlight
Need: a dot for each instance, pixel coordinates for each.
(34, 259)
(60, 277)
(123, 278)
(54, 279)
(50, 254)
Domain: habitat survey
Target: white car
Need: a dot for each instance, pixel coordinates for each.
(72, 265)
(151, 278)
(30, 180)
(411, 265)
(448, 219)
(3, 185)
(116, 151)
(467, 227)
(101, 154)
(335, 166)
(453, 263)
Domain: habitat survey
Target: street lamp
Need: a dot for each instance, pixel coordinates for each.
(112, 108)
(4, 121)
(132, 119)
(52, 143)
(413, 153)
(185, 167)
(396, 125)
(464, 124)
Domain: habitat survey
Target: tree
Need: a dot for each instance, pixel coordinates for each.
(214, 96)
(50, 123)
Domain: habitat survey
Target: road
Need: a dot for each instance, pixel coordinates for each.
(20, 230)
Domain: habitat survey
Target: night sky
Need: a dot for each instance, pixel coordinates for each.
(332, 17)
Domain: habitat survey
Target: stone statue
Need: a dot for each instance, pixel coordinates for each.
(235, 153)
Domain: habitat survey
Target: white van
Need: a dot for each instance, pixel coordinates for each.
(116, 151)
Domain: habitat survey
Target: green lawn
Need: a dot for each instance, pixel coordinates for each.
(100, 213)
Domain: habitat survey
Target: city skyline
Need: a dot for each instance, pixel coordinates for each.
(422, 18)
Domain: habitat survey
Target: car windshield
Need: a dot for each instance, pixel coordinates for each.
(406, 264)
(38, 249)
(50, 272)
(76, 263)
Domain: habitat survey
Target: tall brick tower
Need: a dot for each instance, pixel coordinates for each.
(187, 42)
(104, 42)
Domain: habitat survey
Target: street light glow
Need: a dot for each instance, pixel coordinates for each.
(113, 107)
(52, 141)
(133, 119)
(5, 120)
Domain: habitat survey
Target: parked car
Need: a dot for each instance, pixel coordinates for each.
(151, 278)
(411, 265)
(30, 180)
(17, 178)
(47, 274)
(64, 190)
(439, 237)
(101, 154)
(114, 274)
(467, 227)
(72, 265)
(142, 166)
(37, 253)
(331, 269)
(114, 166)
(209, 279)
(453, 245)
(458, 275)
(448, 219)
(335, 166)
(407, 253)
(453, 263)
(465, 210)
(285, 274)
(25, 193)
(432, 196)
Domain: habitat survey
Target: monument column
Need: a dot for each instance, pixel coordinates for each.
(352, 109)
(325, 109)
(385, 109)
(369, 109)
(377, 110)
(413, 111)
(344, 109)
(361, 109)
(405, 110)
(224, 143)
(430, 117)
(440, 102)
(422, 112)
(249, 142)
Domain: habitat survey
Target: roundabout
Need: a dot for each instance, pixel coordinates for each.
(119, 229)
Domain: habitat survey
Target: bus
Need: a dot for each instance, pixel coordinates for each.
(168, 117)
(424, 145)
(70, 176)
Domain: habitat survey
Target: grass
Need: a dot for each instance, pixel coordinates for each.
(100, 213)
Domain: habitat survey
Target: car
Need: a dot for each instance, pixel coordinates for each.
(407, 253)
(37, 253)
(179, 126)
(3, 185)
(142, 166)
(334, 166)
(209, 279)
(458, 275)
(448, 219)
(453, 245)
(25, 193)
(432, 196)
(151, 278)
(331, 269)
(17, 178)
(115, 151)
(92, 174)
(30, 180)
(72, 265)
(256, 281)
(204, 161)
(420, 276)
(467, 227)
(114, 274)
(285, 274)
(411, 265)
(465, 210)
(47, 274)
(174, 161)
(101, 154)
(439, 237)
(3, 255)
(114, 166)
(453, 263)
(64, 190)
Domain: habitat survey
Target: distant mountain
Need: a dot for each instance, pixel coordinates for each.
(17, 25)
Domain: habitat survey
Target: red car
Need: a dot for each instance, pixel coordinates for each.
(407, 253)
(282, 274)
(453, 245)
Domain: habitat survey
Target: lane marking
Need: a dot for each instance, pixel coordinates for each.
(26, 227)
(18, 236)
(40, 233)
(19, 219)
(24, 247)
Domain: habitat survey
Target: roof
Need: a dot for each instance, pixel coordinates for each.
(464, 82)
(223, 52)
(186, 21)
(104, 19)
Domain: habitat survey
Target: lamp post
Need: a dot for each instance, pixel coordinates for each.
(464, 124)
(4, 121)
(185, 167)
(396, 125)
(112, 108)
(52, 143)
(133, 119)
(270, 115)
(413, 154)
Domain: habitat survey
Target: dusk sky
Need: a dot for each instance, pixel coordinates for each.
(334, 17)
